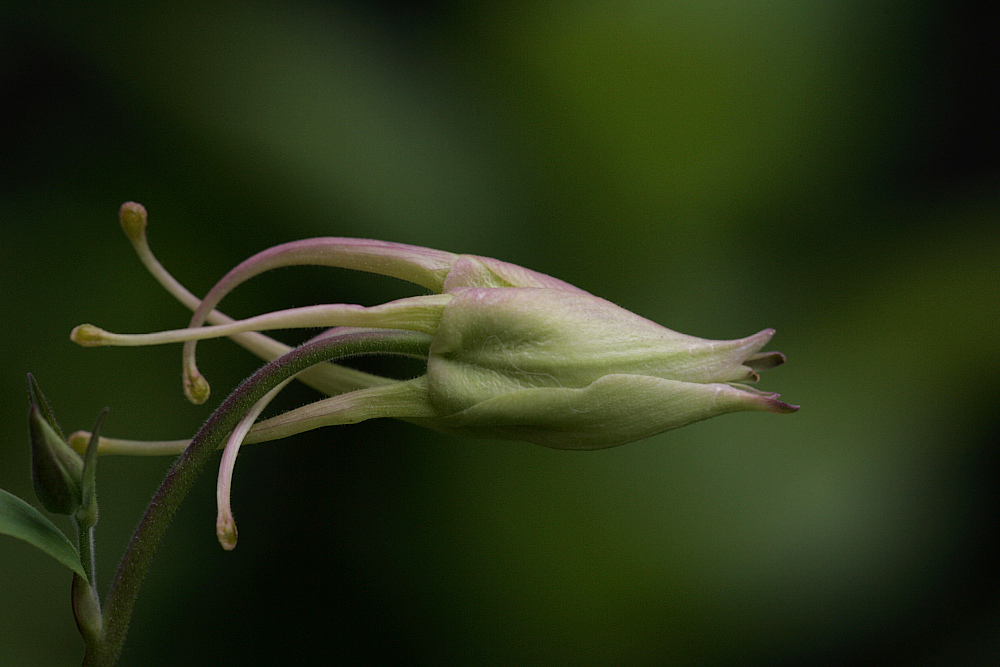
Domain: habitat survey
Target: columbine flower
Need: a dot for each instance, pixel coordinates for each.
(510, 353)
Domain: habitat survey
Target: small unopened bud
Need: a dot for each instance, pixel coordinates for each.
(56, 470)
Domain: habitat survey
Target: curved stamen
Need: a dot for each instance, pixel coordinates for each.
(400, 400)
(109, 446)
(422, 266)
(134, 221)
(225, 525)
(419, 313)
(327, 378)
(122, 594)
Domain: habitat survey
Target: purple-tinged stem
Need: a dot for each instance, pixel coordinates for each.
(118, 605)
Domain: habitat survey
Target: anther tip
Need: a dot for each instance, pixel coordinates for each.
(79, 440)
(196, 388)
(225, 530)
(133, 218)
(88, 335)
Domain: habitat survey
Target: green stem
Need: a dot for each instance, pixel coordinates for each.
(181, 476)
(85, 535)
(86, 601)
(83, 595)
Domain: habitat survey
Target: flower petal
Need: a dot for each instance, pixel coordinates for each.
(611, 411)
(475, 271)
(399, 400)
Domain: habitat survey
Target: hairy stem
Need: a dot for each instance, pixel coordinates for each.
(85, 535)
(117, 608)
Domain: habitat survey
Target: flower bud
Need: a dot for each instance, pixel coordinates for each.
(510, 353)
(56, 470)
(567, 369)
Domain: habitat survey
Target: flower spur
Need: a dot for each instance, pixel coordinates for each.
(510, 353)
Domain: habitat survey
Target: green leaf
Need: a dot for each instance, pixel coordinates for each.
(21, 520)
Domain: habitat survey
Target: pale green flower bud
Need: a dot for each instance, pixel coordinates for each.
(570, 370)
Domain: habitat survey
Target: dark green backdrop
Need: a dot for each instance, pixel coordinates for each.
(826, 168)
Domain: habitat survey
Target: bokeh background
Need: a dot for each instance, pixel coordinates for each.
(827, 168)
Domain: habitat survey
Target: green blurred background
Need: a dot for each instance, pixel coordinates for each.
(826, 168)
